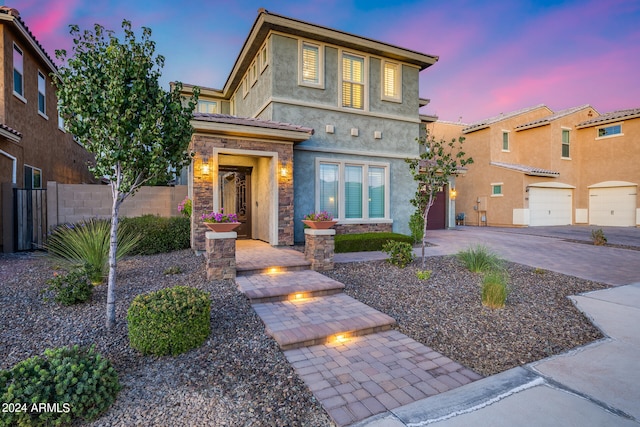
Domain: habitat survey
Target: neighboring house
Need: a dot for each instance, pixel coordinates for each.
(310, 119)
(34, 148)
(535, 167)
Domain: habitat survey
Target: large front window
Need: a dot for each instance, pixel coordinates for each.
(352, 81)
(353, 192)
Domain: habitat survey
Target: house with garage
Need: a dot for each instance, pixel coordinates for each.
(34, 148)
(309, 119)
(535, 167)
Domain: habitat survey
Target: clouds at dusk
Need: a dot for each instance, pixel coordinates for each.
(495, 56)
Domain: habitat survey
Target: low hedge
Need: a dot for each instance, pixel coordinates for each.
(159, 234)
(63, 386)
(169, 321)
(367, 241)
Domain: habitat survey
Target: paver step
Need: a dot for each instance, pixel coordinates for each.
(287, 285)
(266, 268)
(301, 323)
(371, 374)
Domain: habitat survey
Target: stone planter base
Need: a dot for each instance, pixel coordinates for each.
(221, 255)
(319, 248)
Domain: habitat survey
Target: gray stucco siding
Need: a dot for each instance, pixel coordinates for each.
(259, 92)
(410, 91)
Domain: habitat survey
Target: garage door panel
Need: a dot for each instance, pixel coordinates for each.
(550, 206)
(613, 206)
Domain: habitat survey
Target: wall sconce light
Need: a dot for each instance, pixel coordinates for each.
(453, 194)
(205, 166)
(283, 171)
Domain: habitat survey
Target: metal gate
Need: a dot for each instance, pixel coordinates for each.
(30, 218)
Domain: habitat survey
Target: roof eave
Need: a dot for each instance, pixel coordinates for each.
(246, 131)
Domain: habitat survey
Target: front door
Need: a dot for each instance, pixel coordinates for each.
(234, 190)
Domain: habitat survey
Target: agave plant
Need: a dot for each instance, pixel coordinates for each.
(86, 244)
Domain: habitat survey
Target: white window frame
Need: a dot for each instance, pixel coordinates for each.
(609, 125)
(18, 95)
(43, 113)
(264, 56)
(33, 168)
(562, 144)
(301, 81)
(493, 188)
(254, 72)
(365, 190)
(397, 84)
(245, 85)
(204, 102)
(508, 133)
(365, 81)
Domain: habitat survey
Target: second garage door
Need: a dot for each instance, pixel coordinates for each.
(613, 206)
(550, 206)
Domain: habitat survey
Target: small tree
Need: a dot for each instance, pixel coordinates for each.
(438, 161)
(111, 101)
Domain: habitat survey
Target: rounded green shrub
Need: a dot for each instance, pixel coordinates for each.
(169, 321)
(71, 288)
(400, 253)
(64, 385)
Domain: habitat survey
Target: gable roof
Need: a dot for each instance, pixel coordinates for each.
(548, 119)
(613, 116)
(483, 124)
(8, 14)
(528, 170)
(267, 21)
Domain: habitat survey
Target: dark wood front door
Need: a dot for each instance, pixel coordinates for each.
(438, 212)
(234, 189)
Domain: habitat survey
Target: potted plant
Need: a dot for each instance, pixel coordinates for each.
(220, 222)
(319, 220)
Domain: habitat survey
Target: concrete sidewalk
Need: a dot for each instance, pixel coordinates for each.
(595, 385)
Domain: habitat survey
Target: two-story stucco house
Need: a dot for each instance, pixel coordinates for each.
(309, 119)
(535, 167)
(34, 148)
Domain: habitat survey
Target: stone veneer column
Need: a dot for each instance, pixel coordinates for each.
(319, 248)
(221, 255)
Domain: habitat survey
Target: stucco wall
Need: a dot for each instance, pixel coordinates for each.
(70, 203)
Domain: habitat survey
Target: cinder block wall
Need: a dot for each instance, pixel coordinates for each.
(69, 203)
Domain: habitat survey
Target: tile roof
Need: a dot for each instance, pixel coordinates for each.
(10, 130)
(612, 116)
(16, 15)
(528, 170)
(548, 119)
(250, 121)
(485, 123)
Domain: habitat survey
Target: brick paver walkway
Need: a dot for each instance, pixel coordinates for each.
(341, 348)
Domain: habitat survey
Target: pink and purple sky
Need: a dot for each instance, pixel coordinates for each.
(496, 56)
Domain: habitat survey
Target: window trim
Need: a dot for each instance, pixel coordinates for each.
(208, 102)
(254, 72)
(365, 80)
(44, 95)
(33, 168)
(366, 219)
(508, 134)
(568, 144)
(245, 85)
(609, 125)
(493, 189)
(398, 82)
(301, 81)
(20, 96)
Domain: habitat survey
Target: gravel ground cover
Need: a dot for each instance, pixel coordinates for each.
(445, 312)
(239, 377)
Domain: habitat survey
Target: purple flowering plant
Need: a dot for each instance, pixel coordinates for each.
(219, 217)
(319, 216)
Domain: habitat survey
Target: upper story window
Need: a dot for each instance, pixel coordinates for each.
(505, 141)
(353, 81)
(245, 85)
(42, 93)
(18, 71)
(264, 57)
(311, 65)
(565, 143)
(496, 189)
(209, 107)
(391, 81)
(609, 131)
(254, 72)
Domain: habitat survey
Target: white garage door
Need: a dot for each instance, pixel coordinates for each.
(613, 206)
(550, 206)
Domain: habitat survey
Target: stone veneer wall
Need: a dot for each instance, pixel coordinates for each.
(363, 228)
(202, 145)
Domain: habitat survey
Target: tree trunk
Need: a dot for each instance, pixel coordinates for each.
(113, 247)
(424, 230)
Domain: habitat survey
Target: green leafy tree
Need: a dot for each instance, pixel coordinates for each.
(438, 161)
(111, 101)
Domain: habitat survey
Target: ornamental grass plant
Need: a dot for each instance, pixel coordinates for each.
(495, 289)
(86, 244)
(479, 259)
